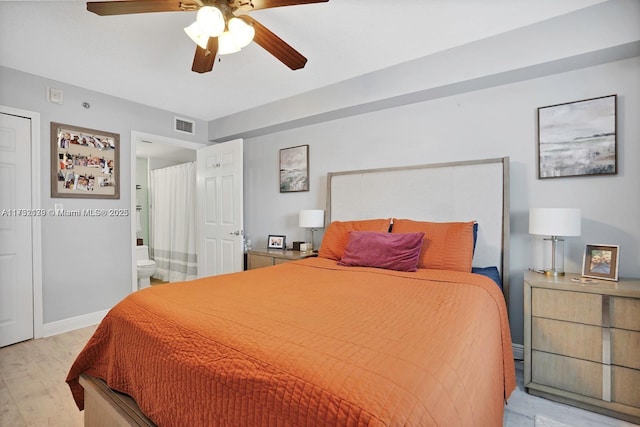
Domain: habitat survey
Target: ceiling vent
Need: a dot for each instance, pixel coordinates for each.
(184, 126)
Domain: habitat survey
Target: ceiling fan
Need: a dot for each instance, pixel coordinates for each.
(221, 27)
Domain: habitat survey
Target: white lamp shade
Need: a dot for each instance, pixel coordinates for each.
(226, 44)
(241, 31)
(555, 221)
(199, 37)
(311, 218)
(211, 20)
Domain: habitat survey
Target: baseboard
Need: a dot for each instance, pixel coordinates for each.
(518, 351)
(73, 323)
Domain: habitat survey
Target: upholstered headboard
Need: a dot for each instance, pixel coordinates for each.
(457, 191)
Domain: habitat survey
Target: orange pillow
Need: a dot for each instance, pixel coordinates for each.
(446, 245)
(335, 238)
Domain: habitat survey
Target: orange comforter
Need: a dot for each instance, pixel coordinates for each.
(309, 343)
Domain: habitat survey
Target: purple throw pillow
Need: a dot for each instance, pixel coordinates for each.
(399, 251)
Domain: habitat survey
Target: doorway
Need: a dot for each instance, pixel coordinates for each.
(162, 152)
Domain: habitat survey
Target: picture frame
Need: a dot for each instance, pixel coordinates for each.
(294, 169)
(600, 262)
(578, 138)
(85, 163)
(276, 241)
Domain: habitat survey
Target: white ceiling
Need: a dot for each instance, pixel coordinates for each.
(147, 58)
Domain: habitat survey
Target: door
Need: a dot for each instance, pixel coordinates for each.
(16, 277)
(220, 204)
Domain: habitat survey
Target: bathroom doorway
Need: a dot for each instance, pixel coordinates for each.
(151, 152)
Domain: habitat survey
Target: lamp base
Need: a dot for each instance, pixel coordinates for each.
(553, 273)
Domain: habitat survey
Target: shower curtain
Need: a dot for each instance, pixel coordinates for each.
(173, 221)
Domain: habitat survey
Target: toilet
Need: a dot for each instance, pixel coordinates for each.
(146, 266)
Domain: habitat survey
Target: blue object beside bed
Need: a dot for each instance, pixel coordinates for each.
(490, 272)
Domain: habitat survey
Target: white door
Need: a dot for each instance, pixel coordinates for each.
(220, 204)
(16, 278)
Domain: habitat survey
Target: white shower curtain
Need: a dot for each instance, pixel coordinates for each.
(173, 221)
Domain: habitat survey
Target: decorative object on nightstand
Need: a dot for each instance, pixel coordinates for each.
(312, 219)
(600, 262)
(276, 242)
(582, 341)
(555, 222)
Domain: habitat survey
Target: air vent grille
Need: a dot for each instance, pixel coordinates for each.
(185, 126)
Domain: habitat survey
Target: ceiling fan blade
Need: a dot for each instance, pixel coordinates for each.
(139, 6)
(248, 6)
(276, 46)
(204, 58)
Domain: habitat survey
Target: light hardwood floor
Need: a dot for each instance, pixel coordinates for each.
(33, 391)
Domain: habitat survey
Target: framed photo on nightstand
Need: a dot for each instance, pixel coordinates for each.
(601, 262)
(276, 242)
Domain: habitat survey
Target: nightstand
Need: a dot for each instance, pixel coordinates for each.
(582, 343)
(269, 257)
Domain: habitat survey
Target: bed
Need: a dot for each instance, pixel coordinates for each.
(331, 340)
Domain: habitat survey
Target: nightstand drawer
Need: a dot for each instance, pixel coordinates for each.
(565, 373)
(566, 305)
(625, 386)
(625, 313)
(625, 349)
(259, 261)
(267, 258)
(567, 338)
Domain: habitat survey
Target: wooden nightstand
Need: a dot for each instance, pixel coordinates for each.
(582, 343)
(269, 257)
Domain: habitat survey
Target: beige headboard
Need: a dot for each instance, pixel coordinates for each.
(457, 191)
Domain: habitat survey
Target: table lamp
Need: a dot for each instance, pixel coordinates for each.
(313, 219)
(555, 222)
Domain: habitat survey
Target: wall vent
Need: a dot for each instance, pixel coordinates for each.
(185, 126)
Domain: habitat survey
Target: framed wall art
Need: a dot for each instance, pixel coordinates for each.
(84, 163)
(600, 262)
(294, 169)
(578, 138)
(276, 242)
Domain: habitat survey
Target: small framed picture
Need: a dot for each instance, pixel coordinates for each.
(276, 242)
(294, 169)
(601, 262)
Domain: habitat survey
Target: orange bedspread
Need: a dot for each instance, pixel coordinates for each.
(309, 343)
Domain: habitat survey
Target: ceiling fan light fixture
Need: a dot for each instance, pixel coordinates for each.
(197, 34)
(241, 31)
(211, 20)
(226, 44)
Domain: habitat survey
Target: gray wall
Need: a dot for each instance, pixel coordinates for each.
(499, 121)
(86, 261)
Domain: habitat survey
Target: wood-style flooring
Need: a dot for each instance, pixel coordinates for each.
(33, 391)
